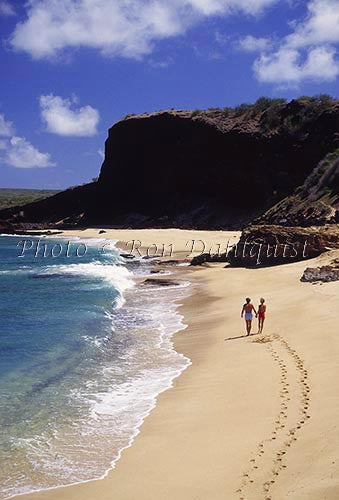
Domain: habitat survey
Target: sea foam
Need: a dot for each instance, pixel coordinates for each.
(105, 388)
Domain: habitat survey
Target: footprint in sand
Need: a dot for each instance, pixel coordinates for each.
(291, 369)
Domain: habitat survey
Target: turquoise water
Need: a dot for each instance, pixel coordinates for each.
(84, 352)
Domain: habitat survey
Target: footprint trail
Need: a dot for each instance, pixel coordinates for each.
(268, 460)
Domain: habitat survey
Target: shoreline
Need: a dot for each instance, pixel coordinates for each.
(215, 431)
(174, 324)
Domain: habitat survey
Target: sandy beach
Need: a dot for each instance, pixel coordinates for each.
(252, 418)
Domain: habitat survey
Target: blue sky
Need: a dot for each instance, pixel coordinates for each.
(71, 68)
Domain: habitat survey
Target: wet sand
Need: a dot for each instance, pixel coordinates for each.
(252, 418)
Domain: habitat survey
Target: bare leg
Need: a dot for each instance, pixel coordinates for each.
(259, 325)
(248, 326)
(262, 324)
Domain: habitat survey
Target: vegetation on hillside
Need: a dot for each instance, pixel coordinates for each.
(274, 113)
(316, 200)
(324, 180)
(17, 197)
(314, 105)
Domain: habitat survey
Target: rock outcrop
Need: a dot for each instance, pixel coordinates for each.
(159, 282)
(272, 245)
(208, 257)
(204, 169)
(324, 274)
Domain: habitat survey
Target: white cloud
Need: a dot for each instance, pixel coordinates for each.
(126, 28)
(6, 9)
(63, 118)
(309, 52)
(217, 7)
(130, 28)
(287, 67)
(21, 154)
(6, 128)
(252, 44)
(17, 151)
(320, 26)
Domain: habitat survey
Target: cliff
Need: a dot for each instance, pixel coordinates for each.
(202, 169)
(316, 202)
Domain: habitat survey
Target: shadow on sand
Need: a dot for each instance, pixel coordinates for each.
(243, 336)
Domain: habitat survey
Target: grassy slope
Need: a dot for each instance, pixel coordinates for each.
(16, 197)
(316, 199)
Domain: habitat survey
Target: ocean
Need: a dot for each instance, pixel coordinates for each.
(85, 349)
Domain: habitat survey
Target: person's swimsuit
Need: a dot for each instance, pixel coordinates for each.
(261, 313)
(249, 314)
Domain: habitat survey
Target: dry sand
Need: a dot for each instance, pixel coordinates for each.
(253, 418)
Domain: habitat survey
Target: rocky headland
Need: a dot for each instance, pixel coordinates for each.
(271, 168)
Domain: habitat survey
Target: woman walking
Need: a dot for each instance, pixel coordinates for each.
(261, 315)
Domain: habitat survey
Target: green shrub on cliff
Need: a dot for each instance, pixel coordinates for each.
(264, 103)
(242, 109)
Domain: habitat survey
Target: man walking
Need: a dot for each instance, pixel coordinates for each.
(248, 309)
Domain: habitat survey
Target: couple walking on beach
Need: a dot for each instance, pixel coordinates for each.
(248, 309)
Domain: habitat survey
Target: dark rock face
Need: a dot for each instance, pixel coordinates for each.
(214, 169)
(6, 227)
(271, 245)
(209, 171)
(316, 202)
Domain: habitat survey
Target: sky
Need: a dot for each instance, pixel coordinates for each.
(69, 69)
